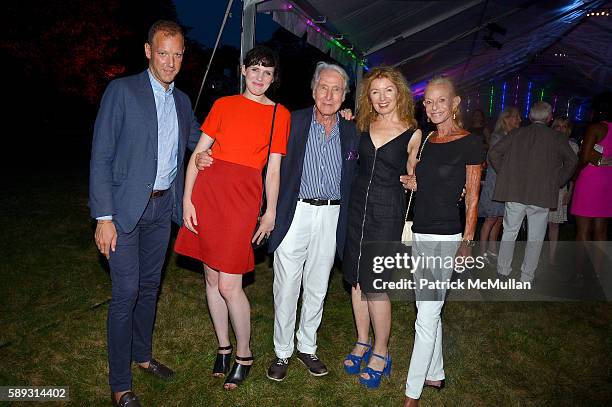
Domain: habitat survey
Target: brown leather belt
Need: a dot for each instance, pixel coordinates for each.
(158, 193)
(321, 202)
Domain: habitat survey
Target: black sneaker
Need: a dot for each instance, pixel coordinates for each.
(278, 369)
(312, 362)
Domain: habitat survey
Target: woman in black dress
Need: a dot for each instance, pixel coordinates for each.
(377, 207)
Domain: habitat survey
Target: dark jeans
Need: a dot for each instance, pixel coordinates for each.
(135, 269)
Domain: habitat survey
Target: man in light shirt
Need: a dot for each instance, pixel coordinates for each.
(141, 131)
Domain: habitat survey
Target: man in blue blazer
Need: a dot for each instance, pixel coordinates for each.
(141, 131)
(311, 220)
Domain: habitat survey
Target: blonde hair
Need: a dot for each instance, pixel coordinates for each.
(562, 119)
(445, 80)
(500, 126)
(405, 102)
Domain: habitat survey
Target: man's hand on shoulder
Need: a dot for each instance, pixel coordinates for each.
(106, 237)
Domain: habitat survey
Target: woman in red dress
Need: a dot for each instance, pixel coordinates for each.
(221, 203)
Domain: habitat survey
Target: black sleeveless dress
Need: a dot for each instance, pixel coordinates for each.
(378, 200)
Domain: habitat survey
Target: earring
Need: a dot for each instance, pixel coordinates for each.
(454, 116)
(428, 119)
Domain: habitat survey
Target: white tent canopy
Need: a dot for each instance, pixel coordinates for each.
(473, 41)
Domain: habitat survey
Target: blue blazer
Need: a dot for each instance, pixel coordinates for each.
(291, 176)
(123, 163)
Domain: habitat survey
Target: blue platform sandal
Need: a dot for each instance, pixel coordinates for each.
(373, 381)
(355, 368)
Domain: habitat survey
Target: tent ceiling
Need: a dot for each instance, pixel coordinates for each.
(424, 38)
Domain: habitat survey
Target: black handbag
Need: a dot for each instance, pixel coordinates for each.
(262, 204)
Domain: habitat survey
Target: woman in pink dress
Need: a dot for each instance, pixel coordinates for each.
(592, 200)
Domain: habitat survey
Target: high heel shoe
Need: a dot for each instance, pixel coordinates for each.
(222, 361)
(437, 387)
(239, 371)
(373, 381)
(355, 368)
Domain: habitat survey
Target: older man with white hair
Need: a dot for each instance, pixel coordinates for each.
(316, 176)
(532, 163)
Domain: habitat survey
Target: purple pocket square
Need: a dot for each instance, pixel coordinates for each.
(352, 155)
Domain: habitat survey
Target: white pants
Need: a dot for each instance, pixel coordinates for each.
(305, 258)
(537, 220)
(426, 362)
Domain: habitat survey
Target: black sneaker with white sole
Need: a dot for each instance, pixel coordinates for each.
(312, 362)
(278, 369)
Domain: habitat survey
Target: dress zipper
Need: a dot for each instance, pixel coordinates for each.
(365, 209)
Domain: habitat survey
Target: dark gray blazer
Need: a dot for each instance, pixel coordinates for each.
(532, 163)
(291, 176)
(123, 163)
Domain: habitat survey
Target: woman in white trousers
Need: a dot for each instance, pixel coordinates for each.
(451, 159)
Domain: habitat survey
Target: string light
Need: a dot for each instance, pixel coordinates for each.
(491, 102)
(555, 103)
(542, 94)
(579, 114)
(599, 13)
(516, 90)
(568, 105)
(503, 102)
(330, 39)
(528, 99)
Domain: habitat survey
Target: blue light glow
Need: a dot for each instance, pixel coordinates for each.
(528, 105)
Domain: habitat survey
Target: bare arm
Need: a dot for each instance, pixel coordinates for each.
(413, 151)
(472, 187)
(268, 220)
(594, 133)
(189, 216)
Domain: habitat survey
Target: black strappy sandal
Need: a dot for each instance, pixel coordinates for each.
(239, 371)
(437, 387)
(222, 361)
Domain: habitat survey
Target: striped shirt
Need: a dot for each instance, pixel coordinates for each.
(322, 162)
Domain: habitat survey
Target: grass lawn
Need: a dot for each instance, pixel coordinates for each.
(54, 300)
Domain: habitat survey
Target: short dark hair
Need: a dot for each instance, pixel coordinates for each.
(169, 28)
(264, 56)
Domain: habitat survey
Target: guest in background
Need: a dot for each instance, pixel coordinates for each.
(558, 215)
(493, 211)
(221, 203)
(592, 199)
(478, 126)
(532, 163)
(387, 150)
(451, 158)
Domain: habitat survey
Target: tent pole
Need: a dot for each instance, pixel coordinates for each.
(247, 34)
(212, 55)
(358, 78)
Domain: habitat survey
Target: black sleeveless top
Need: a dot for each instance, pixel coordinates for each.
(440, 179)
